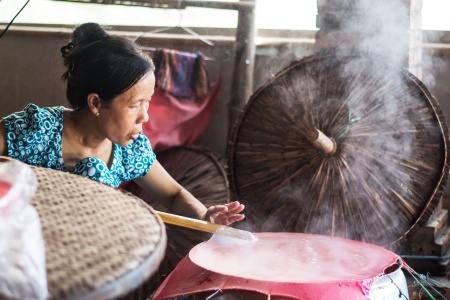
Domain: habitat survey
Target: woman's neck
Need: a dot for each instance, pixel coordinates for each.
(82, 138)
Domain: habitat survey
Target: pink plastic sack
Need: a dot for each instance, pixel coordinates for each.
(174, 122)
(22, 251)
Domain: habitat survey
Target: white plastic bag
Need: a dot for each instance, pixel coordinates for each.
(22, 250)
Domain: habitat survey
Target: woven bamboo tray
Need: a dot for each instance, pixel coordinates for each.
(203, 174)
(100, 242)
(389, 167)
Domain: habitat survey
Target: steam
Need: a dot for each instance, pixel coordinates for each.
(382, 26)
(389, 30)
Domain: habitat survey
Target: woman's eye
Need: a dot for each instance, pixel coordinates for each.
(140, 105)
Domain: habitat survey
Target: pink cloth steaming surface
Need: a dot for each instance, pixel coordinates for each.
(303, 266)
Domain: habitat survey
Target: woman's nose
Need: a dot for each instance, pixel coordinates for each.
(144, 115)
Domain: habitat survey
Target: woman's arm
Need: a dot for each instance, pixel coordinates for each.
(3, 144)
(162, 187)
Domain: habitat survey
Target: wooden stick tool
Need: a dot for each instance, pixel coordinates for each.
(205, 226)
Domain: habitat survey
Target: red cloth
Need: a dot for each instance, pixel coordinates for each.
(174, 122)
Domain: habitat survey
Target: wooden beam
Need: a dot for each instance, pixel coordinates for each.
(244, 62)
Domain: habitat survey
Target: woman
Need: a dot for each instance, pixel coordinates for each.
(110, 82)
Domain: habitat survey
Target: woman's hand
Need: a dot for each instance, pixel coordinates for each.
(225, 214)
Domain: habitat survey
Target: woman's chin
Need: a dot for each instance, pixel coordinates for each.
(123, 143)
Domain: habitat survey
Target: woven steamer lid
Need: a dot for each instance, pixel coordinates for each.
(203, 174)
(100, 242)
(198, 170)
(389, 167)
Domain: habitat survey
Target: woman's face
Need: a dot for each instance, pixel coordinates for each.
(122, 119)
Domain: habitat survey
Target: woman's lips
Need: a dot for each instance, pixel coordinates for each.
(135, 136)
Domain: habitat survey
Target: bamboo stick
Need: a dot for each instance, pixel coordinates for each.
(205, 226)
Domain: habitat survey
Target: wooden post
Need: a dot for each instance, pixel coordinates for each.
(244, 61)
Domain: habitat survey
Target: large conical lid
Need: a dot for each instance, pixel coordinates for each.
(343, 146)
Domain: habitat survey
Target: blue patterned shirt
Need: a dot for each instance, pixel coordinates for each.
(34, 136)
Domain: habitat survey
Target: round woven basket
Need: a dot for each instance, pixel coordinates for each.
(203, 174)
(100, 242)
(386, 173)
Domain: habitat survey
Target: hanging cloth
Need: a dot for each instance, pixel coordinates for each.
(183, 101)
(181, 74)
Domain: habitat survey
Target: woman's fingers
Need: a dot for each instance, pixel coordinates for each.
(226, 214)
(234, 208)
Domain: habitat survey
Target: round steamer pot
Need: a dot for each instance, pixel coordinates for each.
(383, 288)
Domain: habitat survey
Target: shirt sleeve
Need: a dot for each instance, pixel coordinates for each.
(32, 135)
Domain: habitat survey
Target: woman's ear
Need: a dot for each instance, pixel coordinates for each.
(94, 103)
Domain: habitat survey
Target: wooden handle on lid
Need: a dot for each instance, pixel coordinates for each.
(319, 140)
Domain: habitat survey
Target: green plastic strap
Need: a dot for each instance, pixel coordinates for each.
(347, 127)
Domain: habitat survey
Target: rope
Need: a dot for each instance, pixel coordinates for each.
(9, 24)
(424, 279)
(344, 130)
(213, 294)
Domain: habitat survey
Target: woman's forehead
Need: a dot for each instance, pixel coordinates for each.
(142, 90)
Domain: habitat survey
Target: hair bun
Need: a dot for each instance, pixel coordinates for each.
(88, 33)
(66, 49)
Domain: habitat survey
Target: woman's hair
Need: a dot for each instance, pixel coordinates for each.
(101, 63)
